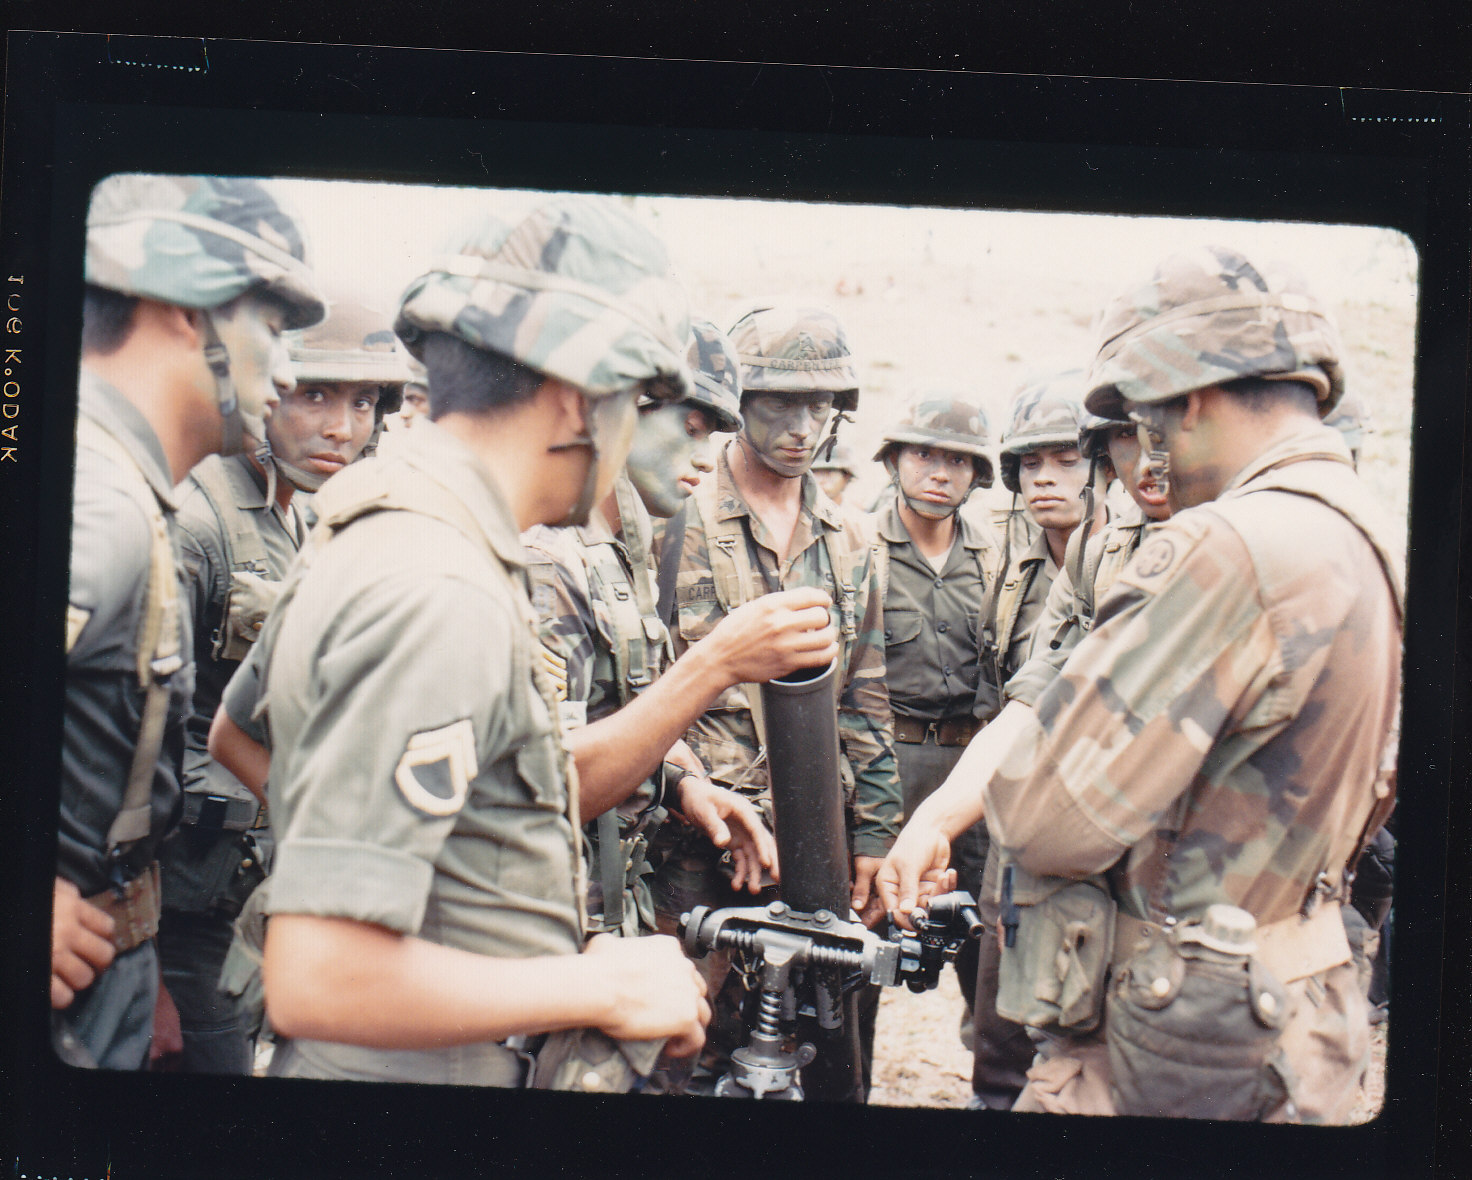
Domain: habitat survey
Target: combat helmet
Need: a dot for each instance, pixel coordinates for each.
(578, 291)
(716, 374)
(1093, 435)
(1044, 413)
(1207, 317)
(355, 342)
(795, 348)
(842, 459)
(943, 420)
(200, 242)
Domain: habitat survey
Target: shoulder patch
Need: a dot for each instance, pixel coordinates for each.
(435, 770)
(1159, 556)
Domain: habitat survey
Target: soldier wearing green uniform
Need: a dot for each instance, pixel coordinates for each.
(835, 471)
(593, 587)
(190, 283)
(240, 528)
(939, 567)
(1218, 748)
(762, 525)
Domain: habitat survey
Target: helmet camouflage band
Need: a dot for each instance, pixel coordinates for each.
(796, 348)
(946, 422)
(198, 242)
(1207, 317)
(715, 371)
(354, 343)
(842, 459)
(578, 291)
(1044, 413)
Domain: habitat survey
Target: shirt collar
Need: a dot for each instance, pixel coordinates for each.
(106, 405)
(442, 457)
(1313, 442)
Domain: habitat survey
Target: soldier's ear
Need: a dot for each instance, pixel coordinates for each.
(1194, 406)
(567, 408)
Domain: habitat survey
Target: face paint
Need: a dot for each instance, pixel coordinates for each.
(933, 482)
(250, 328)
(672, 448)
(1052, 481)
(1135, 474)
(783, 430)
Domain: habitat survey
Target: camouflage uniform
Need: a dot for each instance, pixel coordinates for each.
(1221, 735)
(418, 784)
(729, 557)
(196, 242)
(602, 641)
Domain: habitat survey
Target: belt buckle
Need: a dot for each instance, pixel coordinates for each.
(932, 730)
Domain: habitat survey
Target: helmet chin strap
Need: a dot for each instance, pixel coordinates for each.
(297, 477)
(582, 510)
(234, 421)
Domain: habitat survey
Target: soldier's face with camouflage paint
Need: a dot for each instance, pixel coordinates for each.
(784, 430)
(1137, 476)
(934, 481)
(672, 449)
(322, 426)
(250, 328)
(1052, 480)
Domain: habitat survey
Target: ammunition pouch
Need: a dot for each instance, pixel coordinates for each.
(1192, 1031)
(134, 909)
(1057, 939)
(588, 1061)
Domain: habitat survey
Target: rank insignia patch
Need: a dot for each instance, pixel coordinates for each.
(435, 770)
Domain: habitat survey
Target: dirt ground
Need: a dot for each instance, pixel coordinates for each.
(919, 1059)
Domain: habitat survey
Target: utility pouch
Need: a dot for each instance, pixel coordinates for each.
(1193, 1022)
(591, 1062)
(1057, 936)
(248, 603)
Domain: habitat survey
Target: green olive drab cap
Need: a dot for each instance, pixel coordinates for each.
(198, 242)
(796, 348)
(354, 343)
(948, 423)
(578, 291)
(1207, 317)
(1047, 412)
(716, 373)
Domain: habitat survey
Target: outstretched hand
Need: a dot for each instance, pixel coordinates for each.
(916, 869)
(731, 822)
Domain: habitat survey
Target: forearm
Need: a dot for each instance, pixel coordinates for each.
(239, 753)
(616, 753)
(336, 979)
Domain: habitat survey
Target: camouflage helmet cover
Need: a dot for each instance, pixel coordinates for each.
(795, 348)
(1093, 434)
(354, 343)
(198, 242)
(1047, 412)
(947, 422)
(1207, 317)
(1351, 417)
(842, 459)
(716, 373)
(578, 291)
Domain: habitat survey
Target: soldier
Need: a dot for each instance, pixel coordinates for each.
(1221, 740)
(414, 404)
(604, 643)
(1042, 464)
(940, 565)
(761, 525)
(835, 471)
(418, 781)
(240, 527)
(190, 283)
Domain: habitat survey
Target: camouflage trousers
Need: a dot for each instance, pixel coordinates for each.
(1323, 1052)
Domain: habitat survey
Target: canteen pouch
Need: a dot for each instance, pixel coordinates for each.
(1192, 1032)
(591, 1062)
(1052, 977)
